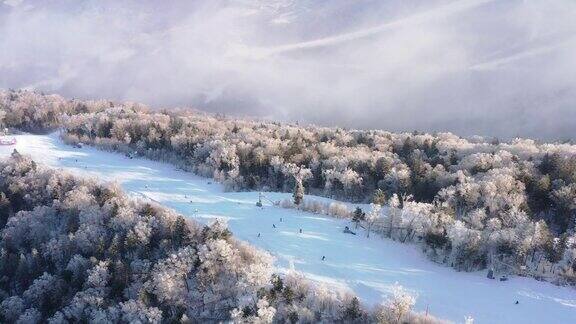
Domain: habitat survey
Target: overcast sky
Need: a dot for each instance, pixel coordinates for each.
(497, 68)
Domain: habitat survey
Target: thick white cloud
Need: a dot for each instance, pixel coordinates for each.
(501, 68)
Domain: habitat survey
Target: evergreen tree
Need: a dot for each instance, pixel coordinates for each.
(379, 197)
(358, 216)
(298, 194)
(555, 249)
(352, 313)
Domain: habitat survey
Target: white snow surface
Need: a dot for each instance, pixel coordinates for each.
(368, 267)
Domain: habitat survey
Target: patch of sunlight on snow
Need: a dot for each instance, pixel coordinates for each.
(329, 281)
(322, 219)
(192, 199)
(305, 235)
(540, 296)
(366, 267)
(239, 201)
(215, 217)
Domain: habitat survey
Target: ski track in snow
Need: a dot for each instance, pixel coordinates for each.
(369, 267)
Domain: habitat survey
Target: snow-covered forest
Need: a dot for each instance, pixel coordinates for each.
(470, 203)
(75, 250)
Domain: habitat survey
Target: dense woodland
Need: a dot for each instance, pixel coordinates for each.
(470, 203)
(74, 250)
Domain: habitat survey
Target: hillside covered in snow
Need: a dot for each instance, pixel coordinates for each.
(470, 223)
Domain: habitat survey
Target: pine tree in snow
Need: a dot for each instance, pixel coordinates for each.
(358, 216)
(298, 194)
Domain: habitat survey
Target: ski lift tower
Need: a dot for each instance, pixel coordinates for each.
(259, 203)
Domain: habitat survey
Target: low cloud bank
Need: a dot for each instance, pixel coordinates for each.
(469, 66)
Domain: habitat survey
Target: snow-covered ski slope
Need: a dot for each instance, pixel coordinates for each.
(367, 266)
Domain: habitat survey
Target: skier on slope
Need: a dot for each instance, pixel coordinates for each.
(348, 231)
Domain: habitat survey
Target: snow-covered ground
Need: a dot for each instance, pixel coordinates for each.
(367, 266)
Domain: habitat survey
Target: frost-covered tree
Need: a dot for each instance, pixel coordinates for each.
(298, 193)
(372, 216)
(401, 302)
(379, 197)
